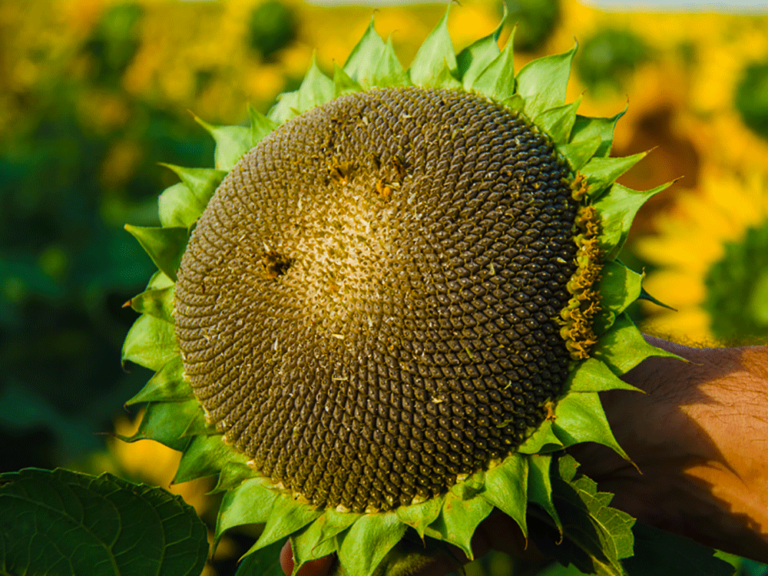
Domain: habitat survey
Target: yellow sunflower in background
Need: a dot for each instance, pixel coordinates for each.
(711, 260)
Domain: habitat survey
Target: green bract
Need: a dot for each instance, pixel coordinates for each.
(531, 482)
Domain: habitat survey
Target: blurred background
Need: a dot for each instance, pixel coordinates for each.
(95, 93)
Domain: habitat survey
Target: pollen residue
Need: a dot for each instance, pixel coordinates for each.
(579, 314)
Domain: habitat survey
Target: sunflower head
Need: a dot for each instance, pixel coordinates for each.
(393, 300)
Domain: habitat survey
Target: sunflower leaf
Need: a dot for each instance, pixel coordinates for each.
(369, 539)
(315, 89)
(286, 107)
(543, 440)
(542, 82)
(476, 57)
(75, 524)
(435, 54)
(165, 246)
(165, 422)
(617, 210)
(497, 80)
(264, 562)
(201, 182)
(586, 128)
(157, 303)
(232, 475)
(178, 207)
(342, 83)
(594, 376)
(619, 286)
(306, 545)
(596, 537)
(540, 486)
(365, 57)
(579, 153)
(558, 121)
(287, 516)
(150, 342)
(167, 385)
(459, 519)
(250, 503)
(623, 347)
(389, 71)
(205, 456)
(232, 142)
(260, 125)
(506, 487)
(419, 516)
(579, 417)
(334, 523)
(602, 172)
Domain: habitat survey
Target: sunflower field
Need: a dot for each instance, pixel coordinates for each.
(102, 102)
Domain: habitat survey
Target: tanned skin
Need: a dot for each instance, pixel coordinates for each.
(698, 437)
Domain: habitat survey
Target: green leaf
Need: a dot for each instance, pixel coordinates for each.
(459, 519)
(644, 295)
(307, 545)
(249, 503)
(260, 125)
(334, 523)
(542, 82)
(342, 83)
(389, 71)
(264, 562)
(602, 172)
(435, 54)
(586, 128)
(157, 303)
(543, 440)
(623, 347)
(150, 342)
(365, 57)
(164, 245)
(497, 80)
(540, 486)
(558, 122)
(205, 456)
(72, 524)
(178, 207)
(232, 475)
(445, 79)
(660, 553)
(287, 516)
(617, 209)
(369, 539)
(419, 516)
(619, 287)
(579, 417)
(286, 107)
(232, 143)
(594, 376)
(579, 153)
(166, 422)
(476, 57)
(612, 527)
(506, 487)
(167, 385)
(315, 89)
(470, 487)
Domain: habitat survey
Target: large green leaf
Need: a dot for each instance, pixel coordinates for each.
(369, 539)
(506, 487)
(167, 385)
(165, 246)
(435, 54)
(617, 211)
(459, 519)
(150, 342)
(68, 524)
(365, 56)
(623, 347)
(542, 82)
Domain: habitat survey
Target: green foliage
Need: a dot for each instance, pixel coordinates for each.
(67, 524)
(609, 57)
(272, 27)
(751, 98)
(536, 20)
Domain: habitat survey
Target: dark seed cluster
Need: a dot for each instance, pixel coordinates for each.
(368, 308)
